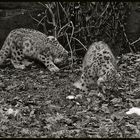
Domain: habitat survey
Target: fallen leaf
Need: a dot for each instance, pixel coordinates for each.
(133, 110)
(70, 97)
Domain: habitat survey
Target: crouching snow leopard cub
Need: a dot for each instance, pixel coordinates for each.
(99, 68)
(22, 44)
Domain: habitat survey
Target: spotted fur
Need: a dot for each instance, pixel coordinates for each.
(99, 68)
(28, 43)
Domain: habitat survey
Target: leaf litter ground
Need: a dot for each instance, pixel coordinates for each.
(35, 103)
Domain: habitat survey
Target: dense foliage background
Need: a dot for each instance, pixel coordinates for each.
(78, 24)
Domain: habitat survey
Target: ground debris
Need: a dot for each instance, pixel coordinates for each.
(35, 103)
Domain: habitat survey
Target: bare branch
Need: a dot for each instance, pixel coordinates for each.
(135, 41)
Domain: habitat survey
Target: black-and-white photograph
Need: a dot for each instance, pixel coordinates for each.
(70, 69)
